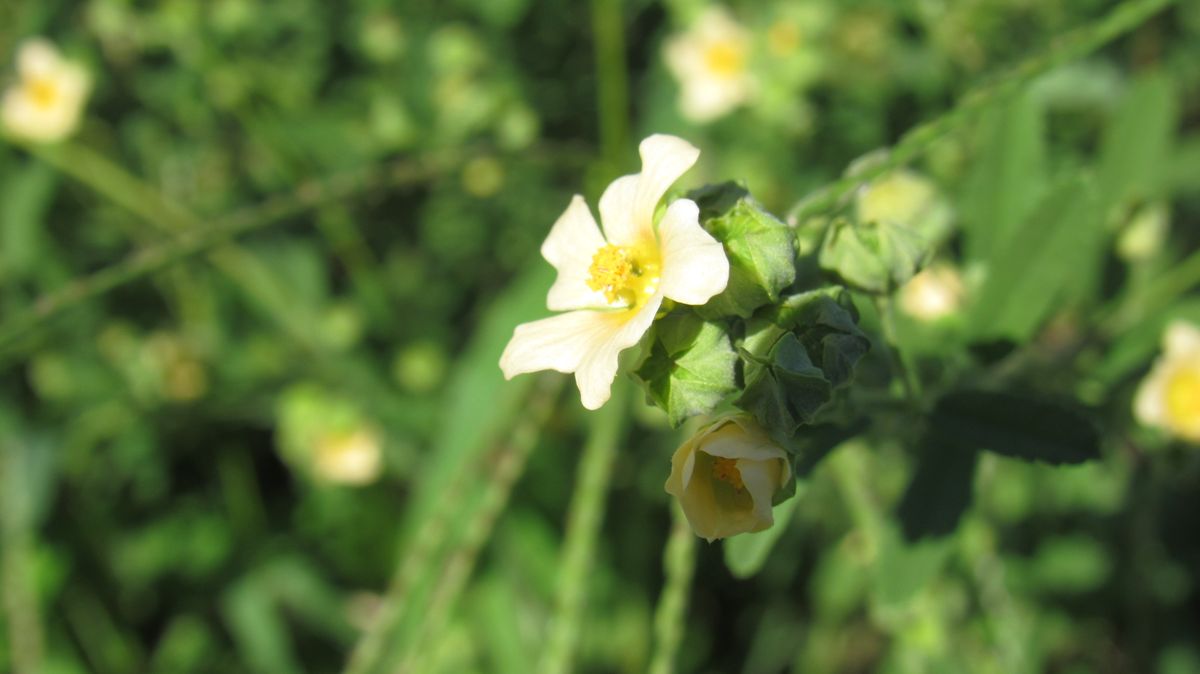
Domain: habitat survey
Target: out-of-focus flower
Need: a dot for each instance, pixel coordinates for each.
(932, 294)
(908, 199)
(726, 478)
(612, 285)
(1169, 397)
(45, 103)
(352, 458)
(1145, 234)
(711, 62)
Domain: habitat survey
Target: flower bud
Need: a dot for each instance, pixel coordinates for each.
(727, 477)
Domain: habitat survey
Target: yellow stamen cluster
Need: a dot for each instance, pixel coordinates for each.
(1183, 396)
(43, 91)
(726, 470)
(622, 275)
(725, 58)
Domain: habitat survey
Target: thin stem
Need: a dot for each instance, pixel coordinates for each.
(583, 530)
(385, 640)
(612, 86)
(1156, 296)
(902, 366)
(917, 140)
(679, 563)
(193, 241)
(507, 468)
(16, 569)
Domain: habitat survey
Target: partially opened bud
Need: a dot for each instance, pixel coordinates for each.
(933, 294)
(727, 477)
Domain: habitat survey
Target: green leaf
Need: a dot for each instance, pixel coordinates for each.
(1138, 143)
(762, 258)
(904, 567)
(746, 554)
(875, 256)
(1017, 426)
(1009, 174)
(940, 489)
(1052, 257)
(690, 368)
(784, 389)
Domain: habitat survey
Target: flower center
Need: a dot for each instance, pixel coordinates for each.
(43, 91)
(1183, 396)
(726, 470)
(622, 275)
(725, 58)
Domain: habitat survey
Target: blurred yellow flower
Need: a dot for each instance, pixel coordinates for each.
(1169, 397)
(726, 478)
(932, 294)
(352, 458)
(45, 103)
(711, 62)
(612, 285)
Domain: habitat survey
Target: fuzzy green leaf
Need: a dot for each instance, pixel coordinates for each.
(875, 256)
(690, 367)
(1017, 426)
(762, 257)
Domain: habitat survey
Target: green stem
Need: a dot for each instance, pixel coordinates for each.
(386, 640)
(679, 563)
(916, 141)
(612, 86)
(1156, 296)
(583, 529)
(16, 569)
(902, 366)
(190, 242)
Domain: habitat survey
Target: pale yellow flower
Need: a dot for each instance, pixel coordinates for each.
(711, 62)
(352, 458)
(45, 103)
(612, 285)
(932, 294)
(726, 478)
(1169, 397)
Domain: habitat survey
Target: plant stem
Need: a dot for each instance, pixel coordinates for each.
(679, 563)
(583, 529)
(916, 141)
(902, 368)
(612, 80)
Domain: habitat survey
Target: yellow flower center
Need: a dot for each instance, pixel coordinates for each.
(725, 58)
(1183, 396)
(726, 470)
(623, 275)
(43, 91)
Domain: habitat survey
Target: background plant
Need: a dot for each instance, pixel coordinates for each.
(275, 205)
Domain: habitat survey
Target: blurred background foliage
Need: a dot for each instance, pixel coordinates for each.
(225, 465)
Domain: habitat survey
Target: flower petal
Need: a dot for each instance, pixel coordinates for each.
(598, 368)
(694, 266)
(37, 57)
(761, 480)
(570, 246)
(1150, 403)
(1181, 339)
(584, 342)
(664, 159)
(616, 213)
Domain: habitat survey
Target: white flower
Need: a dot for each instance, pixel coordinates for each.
(711, 63)
(612, 285)
(354, 458)
(45, 103)
(1169, 397)
(933, 294)
(726, 478)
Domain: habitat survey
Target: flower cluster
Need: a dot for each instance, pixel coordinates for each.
(685, 273)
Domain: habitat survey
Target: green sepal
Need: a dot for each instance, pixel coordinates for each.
(875, 257)
(760, 249)
(796, 356)
(690, 367)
